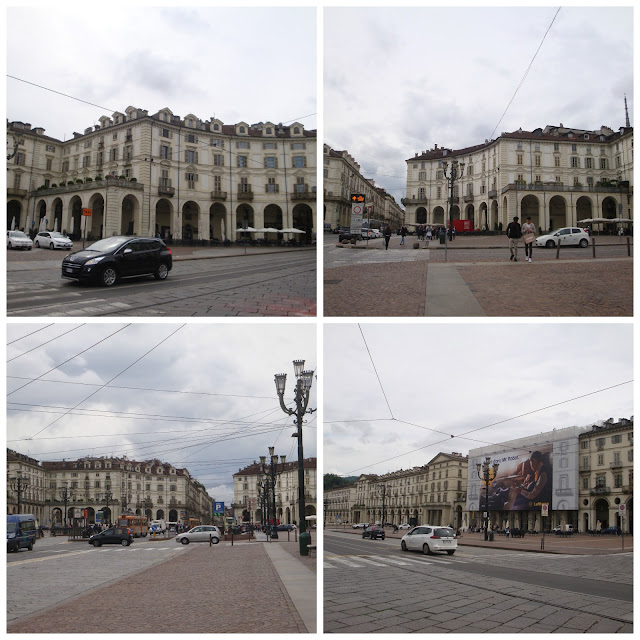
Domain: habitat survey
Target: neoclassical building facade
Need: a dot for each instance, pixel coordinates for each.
(142, 174)
(252, 488)
(58, 491)
(556, 175)
(341, 178)
(431, 494)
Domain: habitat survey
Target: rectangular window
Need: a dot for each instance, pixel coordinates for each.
(16, 180)
(520, 177)
(439, 192)
(191, 156)
(270, 162)
(470, 170)
(556, 146)
(537, 160)
(299, 162)
(244, 185)
(617, 480)
(49, 162)
(217, 183)
(618, 161)
(165, 133)
(50, 147)
(296, 146)
(538, 178)
(214, 142)
(574, 148)
(422, 193)
(616, 439)
(575, 162)
(164, 179)
(272, 187)
(590, 181)
(630, 455)
(20, 157)
(422, 175)
(218, 160)
(604, 164)
(585, 482)
(191, 180)
(65, 166)
(242, 161)
(588, 163)
(300, 185)
(192, 138)
(86, 161)
(242, 144)
(113, 154)
(269, 145)
(87, 144)
(519, 158)
(556, 161)
(600, 459)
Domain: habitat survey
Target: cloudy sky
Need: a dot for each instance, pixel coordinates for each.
(204, 398)
(399, 80)
(450, 379)
(232, 63)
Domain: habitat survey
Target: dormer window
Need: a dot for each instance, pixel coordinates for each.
(269, 131)
(216, 127)
(241, 129)
(586, 136)
(189, 122)
(296, 130)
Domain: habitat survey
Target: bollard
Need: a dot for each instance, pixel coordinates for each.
(593, 244)
(558, 249)
(305, 541)
(628, 246)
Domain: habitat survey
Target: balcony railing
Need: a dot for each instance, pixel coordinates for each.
(493, 193)
(560, 186)
(468, 198)
(303, 194)
(108, 181)
(244, 192)
(600, 491)
(414, 200)
(615, 465)
(218, 195)
(164, 190)
(19, 193)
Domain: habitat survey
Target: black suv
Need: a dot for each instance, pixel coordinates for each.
(115, 535)
(109, 259)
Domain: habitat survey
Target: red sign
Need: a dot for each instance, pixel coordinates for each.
(86, 212)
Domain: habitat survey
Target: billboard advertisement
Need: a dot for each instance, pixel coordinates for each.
(523, 482)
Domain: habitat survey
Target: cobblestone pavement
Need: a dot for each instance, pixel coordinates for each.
(475, 591)
(219, 589)
(602, 287)
(277, 284)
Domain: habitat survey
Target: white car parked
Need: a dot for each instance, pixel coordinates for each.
(566, 236)
(200, 533)
(53, 240)
(429, 538)
(18, 240)
(404, 526)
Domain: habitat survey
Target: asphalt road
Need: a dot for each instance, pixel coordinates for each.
(475, 590)
(280, 284)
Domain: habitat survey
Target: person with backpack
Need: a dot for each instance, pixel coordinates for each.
(514, 233)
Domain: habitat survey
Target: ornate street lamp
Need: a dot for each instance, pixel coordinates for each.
(18, 485)
(108, 499)
(486, 468)
(304, 380)
(457, 169)
(66, 495)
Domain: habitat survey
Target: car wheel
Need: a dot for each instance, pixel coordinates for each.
(426, 550)
(28, 248)
(30, 546)
(51, 246)
(185, 540)
(584, 243)
(96, 543)
(37, 244)
(451, 552)
(215, 540)
(161, 272)
(108, 277)
(550, 244)
(403, 545)
(9, 246)
(125, 543)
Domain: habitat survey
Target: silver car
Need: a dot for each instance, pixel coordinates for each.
(566, 236)
(201, 533)
(429, 538)
(53, 240)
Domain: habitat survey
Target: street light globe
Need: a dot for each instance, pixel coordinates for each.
(298, 366)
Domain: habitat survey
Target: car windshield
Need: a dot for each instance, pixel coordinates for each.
(12, 527)
(444, 532)
(106, 244)
(56, 234)
(18, 234)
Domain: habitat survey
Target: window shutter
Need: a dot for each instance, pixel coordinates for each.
(196, 177)
(169, 154)
(186, 156)
(196, 157)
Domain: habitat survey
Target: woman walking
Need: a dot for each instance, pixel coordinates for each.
(529, 236)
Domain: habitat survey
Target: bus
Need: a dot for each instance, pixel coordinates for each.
(138, 525)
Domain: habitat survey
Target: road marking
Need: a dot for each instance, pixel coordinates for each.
(70, 553)
(347, 562)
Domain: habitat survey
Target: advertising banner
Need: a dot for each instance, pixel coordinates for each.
(523, 482)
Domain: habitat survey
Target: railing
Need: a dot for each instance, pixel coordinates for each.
(468, 198)
(615, 465)
(244, 192)
(20, 193)
(218, 195)
(600, 491)
(87, 186)
(560, 186)
(493, 193)
(305, 194)
(418, 200)
(166, 191)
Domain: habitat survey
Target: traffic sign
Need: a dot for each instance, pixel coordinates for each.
(622, 508)
(218, 508)
(86, 212)
(357, 197)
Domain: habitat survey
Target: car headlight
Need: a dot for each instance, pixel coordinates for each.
(94, 260)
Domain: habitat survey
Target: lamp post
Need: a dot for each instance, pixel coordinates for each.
(108, 499)
(384, 492)
(486, 468)
(66, 494)
(273, 473)
(18, 484)
(261, 496)
(304, 380)
(457, 169)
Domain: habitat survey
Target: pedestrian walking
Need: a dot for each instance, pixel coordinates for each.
(514, 233)
(529, 236)
(428, 233)
(387, 237)
(403, 234)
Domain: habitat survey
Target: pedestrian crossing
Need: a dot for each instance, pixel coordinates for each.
(358, 562)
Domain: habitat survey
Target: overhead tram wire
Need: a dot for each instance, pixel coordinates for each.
(70, 359)
(526, 73)
(117, 376)
(28, 335)
(376, 371)
(460, 435)
(47, 342)
(114, 386)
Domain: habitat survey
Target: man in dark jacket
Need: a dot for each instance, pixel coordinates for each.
(514, 233)
(387, 236)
